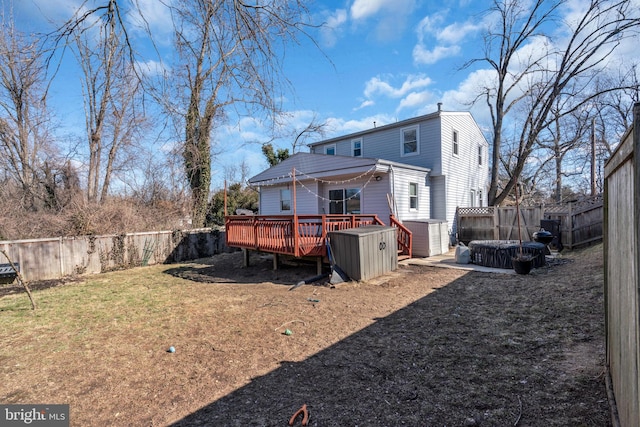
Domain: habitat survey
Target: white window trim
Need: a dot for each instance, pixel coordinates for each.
(353, 147)
(327, 147)
(402, 131)
(281, 199)
(417, 196)
(454, 143)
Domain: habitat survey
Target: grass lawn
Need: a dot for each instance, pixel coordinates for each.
(421, 346)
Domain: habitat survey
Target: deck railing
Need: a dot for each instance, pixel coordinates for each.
(301, 235)
(405, 243)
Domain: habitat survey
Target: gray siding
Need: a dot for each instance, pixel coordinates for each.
(307, 202)
(452, 177)
(386, 144)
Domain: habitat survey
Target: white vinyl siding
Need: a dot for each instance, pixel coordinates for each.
(402, 180)
(463, 173)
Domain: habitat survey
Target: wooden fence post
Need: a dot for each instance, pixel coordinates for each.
(496, 224)
(570, 225)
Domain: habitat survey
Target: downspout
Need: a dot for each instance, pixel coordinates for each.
(392, 181)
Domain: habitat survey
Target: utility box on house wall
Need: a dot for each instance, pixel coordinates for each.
(365, 252)
(430, 237)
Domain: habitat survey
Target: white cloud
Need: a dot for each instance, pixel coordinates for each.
(362, 9)
(339, 126)
(365, 104)
(421, 55)
(462, 97)
(377, 86)
(391, 15)
(456, 32)
(332, 27)
(415, 99)
(154, 17)
(431, 30)
(151, 68)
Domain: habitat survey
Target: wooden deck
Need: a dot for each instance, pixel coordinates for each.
(299, 235)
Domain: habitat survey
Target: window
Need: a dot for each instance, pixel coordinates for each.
(344, 201)
(455, 143)
(356, 147)
(285, 199)
(480, 155)
(413, 196)
(330, 150)
(336, 201)
(410, 141)
(472, 199)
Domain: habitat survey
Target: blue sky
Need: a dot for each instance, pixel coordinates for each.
(380, 61)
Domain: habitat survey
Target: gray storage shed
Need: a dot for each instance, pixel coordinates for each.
(365, 252)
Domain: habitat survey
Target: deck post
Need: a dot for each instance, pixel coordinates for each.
(276, 258)
(245, 257)
(319, 265)
(296, 231)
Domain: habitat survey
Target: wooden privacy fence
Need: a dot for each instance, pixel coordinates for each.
(54, 258)
(622, 280)
(580, 222)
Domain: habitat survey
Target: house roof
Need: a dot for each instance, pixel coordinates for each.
(310, 166)
(399, 124)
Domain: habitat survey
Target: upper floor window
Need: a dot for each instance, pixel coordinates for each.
(356, 147)
(410, 141)
(456, 144)
(330, 150)
(480, 155)
(413, 196)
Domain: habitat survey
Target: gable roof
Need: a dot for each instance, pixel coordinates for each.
(400, 124)
(308, 165)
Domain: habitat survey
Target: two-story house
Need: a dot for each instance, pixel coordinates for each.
(419, 169)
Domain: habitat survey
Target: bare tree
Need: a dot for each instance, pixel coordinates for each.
(24, 120)
(110, 88)
(313, 129)
(530, 81)
(230, 55)
(567, 137)
(614, 110)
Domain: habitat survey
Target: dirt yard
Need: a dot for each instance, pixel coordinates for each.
(423, 346)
